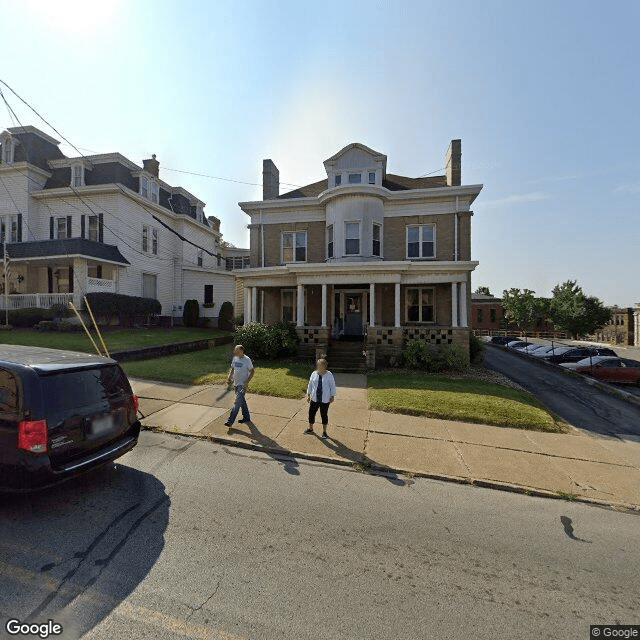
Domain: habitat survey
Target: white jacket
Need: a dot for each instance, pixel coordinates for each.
(328, 386)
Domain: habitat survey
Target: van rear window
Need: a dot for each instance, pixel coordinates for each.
(66, 391)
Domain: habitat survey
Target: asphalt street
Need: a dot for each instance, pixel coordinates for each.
(188, 539)
(580, 404)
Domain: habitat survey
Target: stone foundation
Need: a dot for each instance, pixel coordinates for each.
(314, 341)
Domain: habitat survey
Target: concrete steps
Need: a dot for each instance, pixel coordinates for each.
(347, 357)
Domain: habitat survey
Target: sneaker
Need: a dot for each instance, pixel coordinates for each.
(243, 421)
(308, 431)
(324, 435)
(227, 424)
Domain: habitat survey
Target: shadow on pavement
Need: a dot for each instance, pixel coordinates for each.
(73, 553)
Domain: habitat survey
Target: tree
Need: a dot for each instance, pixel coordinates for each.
(191, 313)
(522, 307)
(483, 291)
(572, 311)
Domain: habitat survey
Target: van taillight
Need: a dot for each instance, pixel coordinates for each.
(33, 436)
(136, 403)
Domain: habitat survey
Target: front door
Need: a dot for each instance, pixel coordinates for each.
(353, 314)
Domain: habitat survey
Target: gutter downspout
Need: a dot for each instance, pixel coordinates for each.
(455, 233)
(261, 241)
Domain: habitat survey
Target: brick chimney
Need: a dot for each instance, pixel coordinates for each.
(214, 223)
(152, 165)
(454, 163)
(270, 180)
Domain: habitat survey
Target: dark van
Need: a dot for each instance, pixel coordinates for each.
(61, 413)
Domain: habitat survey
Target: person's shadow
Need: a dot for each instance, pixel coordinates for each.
(280, 455)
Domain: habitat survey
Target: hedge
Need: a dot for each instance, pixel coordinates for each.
(124, 307)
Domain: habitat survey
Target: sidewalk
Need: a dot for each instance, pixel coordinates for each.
(592, 469)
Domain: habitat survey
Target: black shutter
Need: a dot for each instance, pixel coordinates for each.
(208, 293)
(100, 228)
(82, 217)
(71, 279)
(19, 227)
(68, 226)
(50, 277)
(50, 235)
(99, 271)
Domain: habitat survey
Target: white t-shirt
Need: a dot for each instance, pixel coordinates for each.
(241, 369)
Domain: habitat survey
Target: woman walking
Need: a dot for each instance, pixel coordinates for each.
(321, 392)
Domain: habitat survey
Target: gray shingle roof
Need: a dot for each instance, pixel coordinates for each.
(65, 247)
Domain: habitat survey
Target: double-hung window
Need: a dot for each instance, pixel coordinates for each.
(337, 181)
(421, 241)
(330, 241)
(377, 235)
(200, 257)
(153, 190)
(352, 238)
(419, 304)
(144, 187)
(372, 177)
(61, 228)
(93, 228)
(77, 175)
(294, 246)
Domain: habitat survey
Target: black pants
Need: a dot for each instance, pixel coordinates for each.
(324, 412)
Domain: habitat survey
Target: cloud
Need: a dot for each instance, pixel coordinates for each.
(628, 188)
(552, 179)
(517, 198)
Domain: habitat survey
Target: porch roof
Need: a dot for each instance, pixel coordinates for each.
(67, 247)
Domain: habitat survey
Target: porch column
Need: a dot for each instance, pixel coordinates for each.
(454, 304)
(247, 305)
(463, 305)
(79, 285)
(254, 304)
(300, 307)
(372, 304)
(324, 306)
(397, 305)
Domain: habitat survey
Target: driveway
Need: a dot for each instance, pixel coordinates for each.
(580, 404)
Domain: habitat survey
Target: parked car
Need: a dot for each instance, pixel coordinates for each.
(547, 350)
(578, 353)
(61, 413)
(585, 362)
(502, 339)
(514, 344)
(614, 370)
(529, 348)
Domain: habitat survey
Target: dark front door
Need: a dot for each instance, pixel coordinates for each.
(353, 314)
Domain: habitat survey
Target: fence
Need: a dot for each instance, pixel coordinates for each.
(34, 300)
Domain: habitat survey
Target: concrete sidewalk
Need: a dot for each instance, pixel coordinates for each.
(577, 465)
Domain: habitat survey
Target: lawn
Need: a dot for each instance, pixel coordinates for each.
(464, 399)
(280, 378)
(115, 339)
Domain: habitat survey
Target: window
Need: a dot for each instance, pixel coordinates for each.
(372, 177)
(377, 234)
(200, 257)
(492, 314)
(239, 262)
(61, 228)
(8, 392)
(294, 246)
(3, 230)
(93, 228)
(355, 178)
(337, 180)
(144, 187)
(7, 150)
(149, 285)
(94, 271)
(288, 305)
(154, 191)
(421, 241)
(330, 241)
(14, 228)
(208, 294)
(77, 175)
(352, 238)
(479, 315)
(419, 305)
(154, 242)
(145, 238)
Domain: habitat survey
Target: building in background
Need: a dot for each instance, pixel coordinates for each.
(621, 329)
(103, 223)
(363, 255)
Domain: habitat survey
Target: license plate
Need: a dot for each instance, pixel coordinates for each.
(102, 425)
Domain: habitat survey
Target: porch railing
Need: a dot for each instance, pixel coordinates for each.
(100, 284)
(34, 300)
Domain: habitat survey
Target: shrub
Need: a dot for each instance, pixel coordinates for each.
(262, 341)
(420, 355)
(29, 317)
(455, 358)
(61, 311)
(125, 308)
(476, 348)
(225, 317)
(47, 325)
(191, 313)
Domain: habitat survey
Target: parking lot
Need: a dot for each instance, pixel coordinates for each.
(570, 396)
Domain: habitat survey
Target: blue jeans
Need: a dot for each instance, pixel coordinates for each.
(240, 403)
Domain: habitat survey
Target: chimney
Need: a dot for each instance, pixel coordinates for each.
(152, 165)
(270, 180)
(454, 163)
(214, 223)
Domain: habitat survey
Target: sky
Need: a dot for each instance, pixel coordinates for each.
(545, 96)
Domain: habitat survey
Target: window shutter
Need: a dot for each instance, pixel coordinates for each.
(99, 271)
(19, 227)
(68, 226)
(70, 278)
(100, 227)
(82, 223)
(50, 235)
(50, 277)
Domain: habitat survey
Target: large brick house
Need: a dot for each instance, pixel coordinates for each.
(74, 225)
(620, 329)
(363, 254)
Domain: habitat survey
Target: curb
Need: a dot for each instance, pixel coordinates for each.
(375, 469)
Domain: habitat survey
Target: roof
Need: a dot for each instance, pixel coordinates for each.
(310, 191)
(65, 247)
(47, 360)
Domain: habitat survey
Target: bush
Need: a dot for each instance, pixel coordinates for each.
(268, 342)
(455, 358)
(419, 354)
(61, 311)
(125, 308)
(25, 318)
(47, 325)
(225, 317)
(476, 348)
(191, 313)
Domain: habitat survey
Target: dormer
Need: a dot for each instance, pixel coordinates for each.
(77, 168)
(8, 143)
(356, 165)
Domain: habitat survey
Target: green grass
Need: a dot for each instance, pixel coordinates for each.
(115, 340)
(462, 399)
(280, 378)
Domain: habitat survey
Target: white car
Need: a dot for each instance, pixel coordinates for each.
(549, 350)
(530, 348)
(586, 362)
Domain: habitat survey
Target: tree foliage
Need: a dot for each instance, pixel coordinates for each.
(483, 291)
(191, 313)
(522, 307)
(572, 311)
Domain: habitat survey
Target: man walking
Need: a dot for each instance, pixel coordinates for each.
(240, 374)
